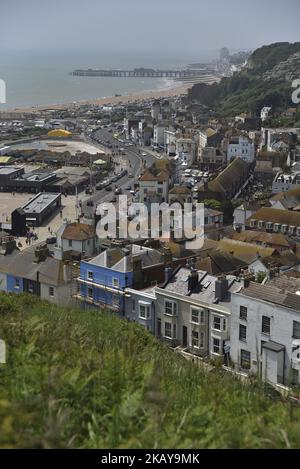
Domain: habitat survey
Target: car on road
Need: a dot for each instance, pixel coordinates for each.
(144, 154)
(118, 191)
(108, 188)
(128, 188)
(130, 175)
(90, 203)
(51, 240)
(88, 191)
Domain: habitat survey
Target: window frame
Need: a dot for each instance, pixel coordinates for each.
(263, 324)
(219, 346)
(244, 328)
(173, 308)
(213, 324)
(243, 359)
(147, 311)
(115, 282)
(243, 315)
(200, 313)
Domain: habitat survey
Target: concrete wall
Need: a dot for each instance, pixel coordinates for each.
(62, 294)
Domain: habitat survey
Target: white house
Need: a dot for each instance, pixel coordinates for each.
(241, 147)
(265, 332)
(154, 185)
(77, 237)
(264, 113)
(186, 150)
(158, 134)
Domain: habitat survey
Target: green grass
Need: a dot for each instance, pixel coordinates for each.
(87, 379)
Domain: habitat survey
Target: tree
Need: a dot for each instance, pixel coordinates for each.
(213, 204)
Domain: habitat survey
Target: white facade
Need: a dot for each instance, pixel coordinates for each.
(186, 150)
(264, 113)
(202, 139)
(60, 295)
(158, 135)
(273, 353)
(240, 215)
(241, 147)
(170, 141)
(153, 191)
(85, 247)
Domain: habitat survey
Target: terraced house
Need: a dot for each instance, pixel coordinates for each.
(275, 220)
(193, 311)
(265, 329)
(35, 271)
(104, 278)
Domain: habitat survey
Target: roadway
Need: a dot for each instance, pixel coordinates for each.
(132, 160)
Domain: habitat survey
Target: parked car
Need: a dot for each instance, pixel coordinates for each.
(108, 188)
(90, 203)
(51, 240)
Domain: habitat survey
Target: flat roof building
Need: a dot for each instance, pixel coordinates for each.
(34, 212)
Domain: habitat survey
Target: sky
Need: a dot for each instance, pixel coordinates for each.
(146, 25)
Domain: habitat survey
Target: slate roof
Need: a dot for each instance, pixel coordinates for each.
(22, 264)
(272, 294)
(205, 288)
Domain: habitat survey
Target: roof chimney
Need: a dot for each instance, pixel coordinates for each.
(221, 288)
(193, 280)
(41, 252)
(168, 274)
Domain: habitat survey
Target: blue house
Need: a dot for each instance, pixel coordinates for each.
(103, 279)
(14, 284)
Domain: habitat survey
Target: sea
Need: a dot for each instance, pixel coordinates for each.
(36, 77)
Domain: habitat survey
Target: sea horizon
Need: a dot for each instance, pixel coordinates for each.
(39, 78)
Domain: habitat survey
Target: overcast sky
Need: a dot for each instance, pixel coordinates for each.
(150, 25)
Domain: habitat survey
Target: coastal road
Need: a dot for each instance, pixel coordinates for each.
(132, 160)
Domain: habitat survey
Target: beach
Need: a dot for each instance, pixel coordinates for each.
(176, 90)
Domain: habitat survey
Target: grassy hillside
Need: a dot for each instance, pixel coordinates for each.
(248, 91)
(90, 380)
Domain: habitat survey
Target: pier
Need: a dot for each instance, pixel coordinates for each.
(139, 72)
